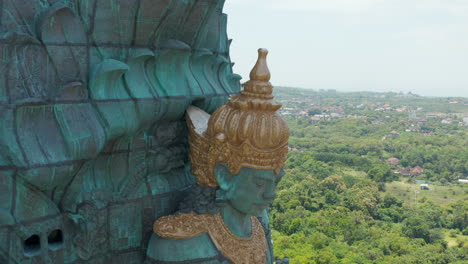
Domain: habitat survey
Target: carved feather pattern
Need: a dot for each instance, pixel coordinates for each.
(85, 82)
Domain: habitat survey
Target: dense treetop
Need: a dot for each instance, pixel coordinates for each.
(352, 191)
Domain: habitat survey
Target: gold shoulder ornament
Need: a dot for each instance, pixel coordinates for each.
(180, 226)
(251, 250)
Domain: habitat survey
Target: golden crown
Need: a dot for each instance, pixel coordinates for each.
(245, 132)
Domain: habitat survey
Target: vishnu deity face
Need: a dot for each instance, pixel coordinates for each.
(249, 192)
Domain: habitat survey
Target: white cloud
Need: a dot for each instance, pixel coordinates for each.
(334, 6)
(458, 7)
(455, 7)
(391, 44)
(326, 6)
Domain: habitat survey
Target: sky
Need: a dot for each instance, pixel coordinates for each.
(418, 46)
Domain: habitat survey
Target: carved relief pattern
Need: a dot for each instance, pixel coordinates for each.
(86, 87)
(239, 250)
(91, 231)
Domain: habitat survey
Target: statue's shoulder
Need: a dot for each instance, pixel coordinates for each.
(195, 249)
(185, 232)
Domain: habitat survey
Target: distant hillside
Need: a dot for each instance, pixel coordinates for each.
(413, 101)
(352, 192)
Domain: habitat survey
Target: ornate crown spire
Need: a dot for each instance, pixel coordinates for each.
(259, 83)
(245, 132)
(260, 71)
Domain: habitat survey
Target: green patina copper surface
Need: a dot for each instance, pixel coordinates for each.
(248, 193)
(93, 145)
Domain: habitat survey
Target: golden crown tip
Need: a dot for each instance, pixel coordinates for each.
(260, 72)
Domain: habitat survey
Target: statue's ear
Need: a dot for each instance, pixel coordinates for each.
(223, 175)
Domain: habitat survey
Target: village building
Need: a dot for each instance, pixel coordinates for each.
(393, 161)
(417, 170)
(407, 171)
(424, 186)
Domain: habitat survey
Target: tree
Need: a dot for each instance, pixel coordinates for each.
(381, 172)
(416, 227)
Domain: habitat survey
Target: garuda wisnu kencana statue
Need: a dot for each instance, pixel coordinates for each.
(93, 137)
(237, 157)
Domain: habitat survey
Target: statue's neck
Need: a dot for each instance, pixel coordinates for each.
(239, 223)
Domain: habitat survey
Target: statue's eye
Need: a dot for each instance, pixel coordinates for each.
(260, 182)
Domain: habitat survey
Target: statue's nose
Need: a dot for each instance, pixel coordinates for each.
(270, 194)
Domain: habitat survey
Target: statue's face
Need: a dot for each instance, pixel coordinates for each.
(251, 191)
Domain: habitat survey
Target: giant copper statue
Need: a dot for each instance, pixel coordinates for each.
(111, 150)
(238, 154)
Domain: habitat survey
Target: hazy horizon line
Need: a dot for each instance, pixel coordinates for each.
(369, 91)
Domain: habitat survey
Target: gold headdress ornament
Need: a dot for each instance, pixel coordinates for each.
(245, 132)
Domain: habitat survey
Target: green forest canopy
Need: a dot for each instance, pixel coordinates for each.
(342, 202)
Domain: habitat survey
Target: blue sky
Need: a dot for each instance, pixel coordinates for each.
(355, 45)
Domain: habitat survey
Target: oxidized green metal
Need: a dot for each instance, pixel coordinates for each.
(93, 145)
(243, 195)
(237, 157)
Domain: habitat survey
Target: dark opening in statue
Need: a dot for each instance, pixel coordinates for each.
(238, 153)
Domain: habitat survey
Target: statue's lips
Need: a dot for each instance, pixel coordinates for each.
(263, 205)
